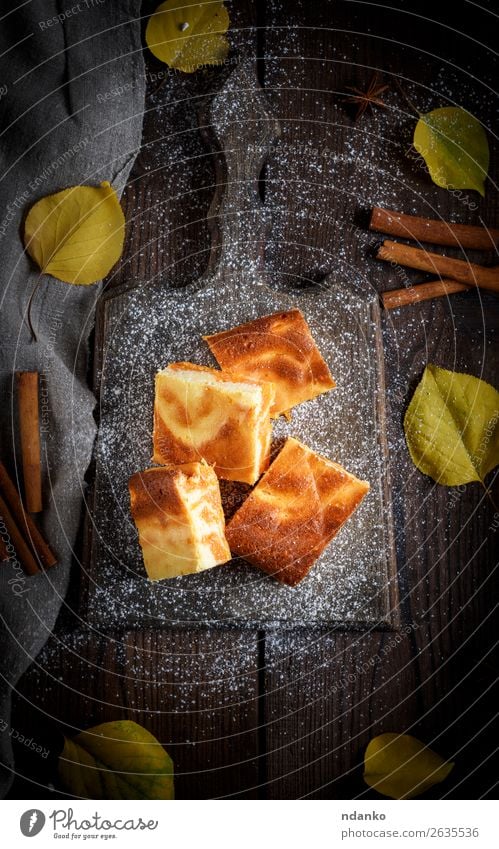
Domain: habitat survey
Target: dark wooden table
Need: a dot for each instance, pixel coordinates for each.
(286, 715)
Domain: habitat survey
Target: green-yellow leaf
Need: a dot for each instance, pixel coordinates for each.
(401, 767)
(451, 427)
(454, 146)
(116, 760)
(188, 35)
(76, 235)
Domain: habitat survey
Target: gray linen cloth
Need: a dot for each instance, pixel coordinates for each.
(71, 107)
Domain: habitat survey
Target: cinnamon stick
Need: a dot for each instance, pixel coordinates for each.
(24, 520)
(27, 386)
(433, 231)
(23, 552)
(464, 272)
(421, 292)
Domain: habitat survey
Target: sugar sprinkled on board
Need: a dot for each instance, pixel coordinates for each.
(153, 326)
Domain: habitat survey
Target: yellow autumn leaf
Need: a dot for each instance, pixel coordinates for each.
(452, 427)
(76, 235)
(188, 35)
(401, 766)
(455, 148)
(116, 760)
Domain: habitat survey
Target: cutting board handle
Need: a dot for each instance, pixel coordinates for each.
(240, 124)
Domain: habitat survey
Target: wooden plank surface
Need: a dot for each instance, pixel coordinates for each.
(289, 715)
(363, 685)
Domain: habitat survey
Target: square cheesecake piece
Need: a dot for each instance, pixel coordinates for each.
(203, 413)
(178, 514)
(292, 514)
(277, 348)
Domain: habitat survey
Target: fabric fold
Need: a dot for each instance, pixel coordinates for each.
(58, 129)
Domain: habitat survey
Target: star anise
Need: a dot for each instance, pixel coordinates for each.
(366, 99)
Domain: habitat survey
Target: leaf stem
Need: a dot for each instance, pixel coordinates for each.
(158, 88)
(28, 310)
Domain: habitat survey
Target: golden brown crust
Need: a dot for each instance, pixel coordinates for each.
(220, 376)
(179, 517)
(153, 491)
(215, 422)
(279, 349)
(295, 510)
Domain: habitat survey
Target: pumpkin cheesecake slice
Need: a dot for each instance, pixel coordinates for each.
(179, 517)
(203, 413)
(294, 512)
(276, 348)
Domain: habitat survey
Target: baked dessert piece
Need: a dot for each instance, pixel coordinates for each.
(277, 348)
(294, 512)
(179, 517)
(203, 413)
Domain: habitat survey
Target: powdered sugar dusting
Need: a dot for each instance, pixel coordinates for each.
(152, 326)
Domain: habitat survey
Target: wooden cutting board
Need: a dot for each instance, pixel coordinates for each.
(142, 327)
